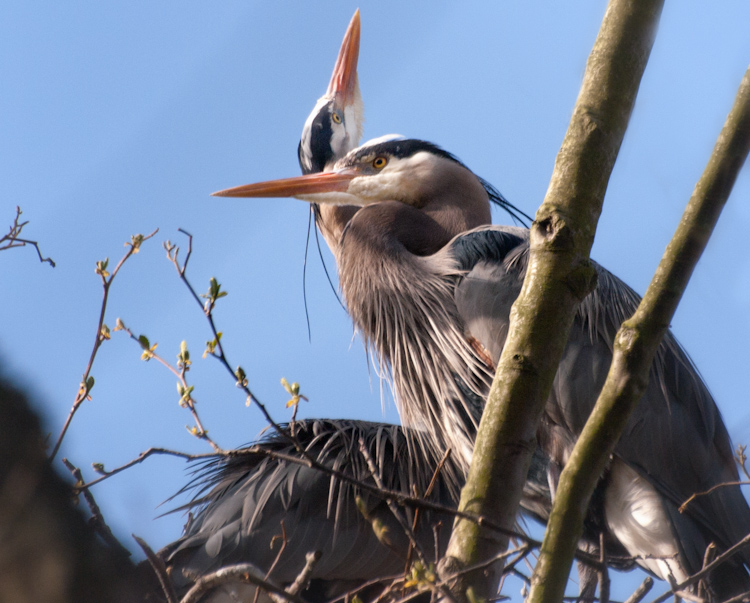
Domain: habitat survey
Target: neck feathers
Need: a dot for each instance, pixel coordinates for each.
(403, 304)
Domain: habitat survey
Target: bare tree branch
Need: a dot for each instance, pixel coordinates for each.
(157, 564)
(302, 581)
(400, 498)
(692, 497)
(13, 239)
(102, 331)
(215, 347)
(97, 519)
(558, 277)
(634, 349)
(186, 398)
(706, 570)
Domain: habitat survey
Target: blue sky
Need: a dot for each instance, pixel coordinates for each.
(117, 118)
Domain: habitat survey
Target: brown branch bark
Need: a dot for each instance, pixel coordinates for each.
(634, 350)
(558, 277)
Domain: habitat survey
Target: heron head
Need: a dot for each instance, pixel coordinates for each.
(335, 125)
(410, 171)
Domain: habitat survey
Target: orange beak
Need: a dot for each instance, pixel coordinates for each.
(344, 79)
(300, 186)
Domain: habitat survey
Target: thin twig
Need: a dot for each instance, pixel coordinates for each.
(142, 457)
(281, 550)
(87, 381)
(97, 519)
(427, 494)
(692, 497)
(217, 350)
(741, 458)
(391, 504)
(436, 539)
(245, 573)
(603, 572)
(157, 564)
(34, 244)
(522, 552)
(186, 400)
(706, 570)
(708, 556)
(12, 239)
(346, 596)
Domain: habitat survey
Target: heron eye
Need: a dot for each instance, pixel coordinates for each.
(336, 118)
(379, 162)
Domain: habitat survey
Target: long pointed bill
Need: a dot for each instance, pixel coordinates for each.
(300, 187)
(344, 78)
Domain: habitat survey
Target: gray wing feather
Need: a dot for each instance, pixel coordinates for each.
(675, 438)
(242, 501)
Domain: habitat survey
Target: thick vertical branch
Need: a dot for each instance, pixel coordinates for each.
(635, 347)
(558, 277)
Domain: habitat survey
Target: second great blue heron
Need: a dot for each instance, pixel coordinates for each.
(246, 502)
(431, 293)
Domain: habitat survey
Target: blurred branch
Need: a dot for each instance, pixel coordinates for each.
(13, 239)
(389, 583)
(302, 581)
(417, 517)
(157, 564)
(102, 331)
(96, 520)
(641, 591)
(635, 346)
(243, 572)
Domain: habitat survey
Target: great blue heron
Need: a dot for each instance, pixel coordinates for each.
(333, 128)
(245, 498)
(430, 289)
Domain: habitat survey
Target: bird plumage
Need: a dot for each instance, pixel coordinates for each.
(675, 439)
(241, 502)
(421, 290)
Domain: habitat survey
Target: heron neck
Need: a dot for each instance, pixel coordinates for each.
(399, 293)
(391, 229)
(332, 220)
